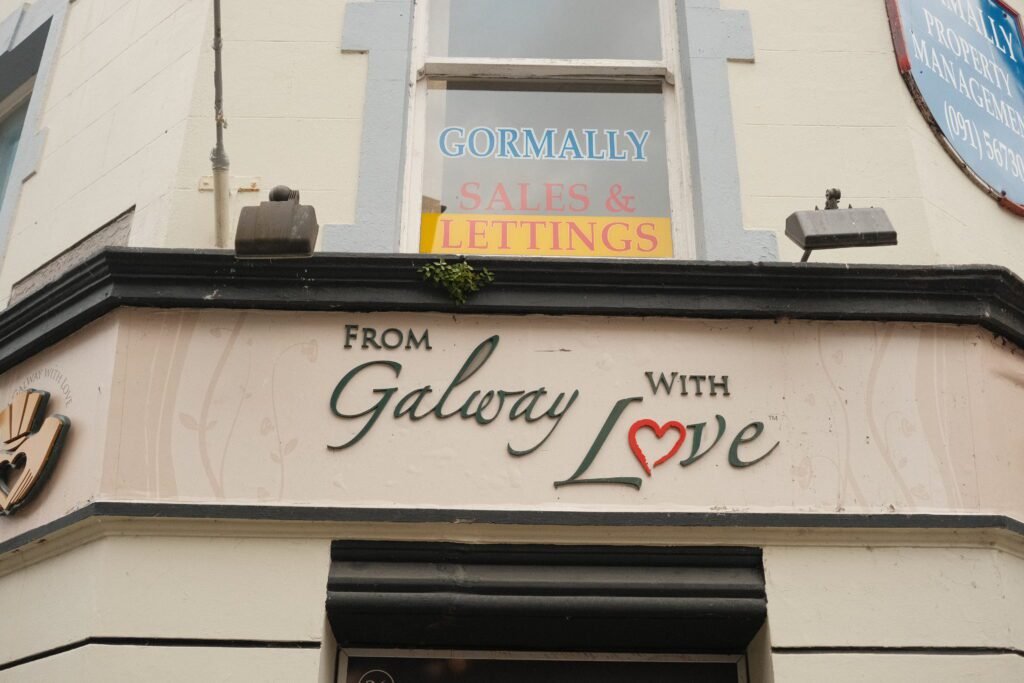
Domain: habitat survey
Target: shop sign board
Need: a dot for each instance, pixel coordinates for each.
(371, 396)
(963, 61)
(430, 410)
(546, 174)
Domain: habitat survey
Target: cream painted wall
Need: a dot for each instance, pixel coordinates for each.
(898, 668)
(107, 664)
(884, 597)
(259, 589)
(130, 119)
(294, 104)
(115, 111)
(914, 602)
(181, 583)
(823, 105)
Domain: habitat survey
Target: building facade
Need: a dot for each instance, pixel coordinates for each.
(651, 444)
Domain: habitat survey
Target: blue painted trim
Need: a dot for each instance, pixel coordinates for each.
(383, 30)
(19, 26)
(710, 37)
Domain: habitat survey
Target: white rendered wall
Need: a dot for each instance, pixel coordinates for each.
(294, 105)
(214, 589)
(823, 105)
(129, 664)
(901, 612)
(894, 597)
(129, 114)
(129, 122)
(911, 614)
(115, 114)
(896, 668)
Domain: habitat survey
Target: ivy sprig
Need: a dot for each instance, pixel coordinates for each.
(461, 280)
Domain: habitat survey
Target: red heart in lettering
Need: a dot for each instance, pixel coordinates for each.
(659, 431)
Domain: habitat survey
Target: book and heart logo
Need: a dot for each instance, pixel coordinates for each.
(30, 444)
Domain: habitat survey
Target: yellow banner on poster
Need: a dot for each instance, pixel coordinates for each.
(599, 236)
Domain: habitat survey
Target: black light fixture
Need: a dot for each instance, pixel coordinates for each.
(279, 228)
(836, 228)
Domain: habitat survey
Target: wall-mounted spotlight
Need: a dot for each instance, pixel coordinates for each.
(280, 228)
(836, 228)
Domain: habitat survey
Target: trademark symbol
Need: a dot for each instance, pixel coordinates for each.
(773, 418)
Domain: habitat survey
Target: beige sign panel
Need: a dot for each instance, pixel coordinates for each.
(540, 413)
(79, 375)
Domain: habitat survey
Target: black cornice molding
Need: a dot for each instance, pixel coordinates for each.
(986, 296)
(783, 521)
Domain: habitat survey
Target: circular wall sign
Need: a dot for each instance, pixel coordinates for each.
(963, 61)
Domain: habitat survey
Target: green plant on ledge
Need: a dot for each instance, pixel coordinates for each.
(460, 279)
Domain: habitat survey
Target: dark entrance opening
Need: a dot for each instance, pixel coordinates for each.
(628, 613)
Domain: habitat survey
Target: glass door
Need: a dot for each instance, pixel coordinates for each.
(515, 667)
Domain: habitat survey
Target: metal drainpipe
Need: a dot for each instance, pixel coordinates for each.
(219, 157)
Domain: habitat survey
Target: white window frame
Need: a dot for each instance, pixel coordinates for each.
(425, 68)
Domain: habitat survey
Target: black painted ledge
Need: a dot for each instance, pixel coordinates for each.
(783, 521)
(792, 521)
(986, 296)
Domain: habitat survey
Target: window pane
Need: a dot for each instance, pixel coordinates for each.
(10, 134)
(545, 173)
(549, 29)
(400, 670)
